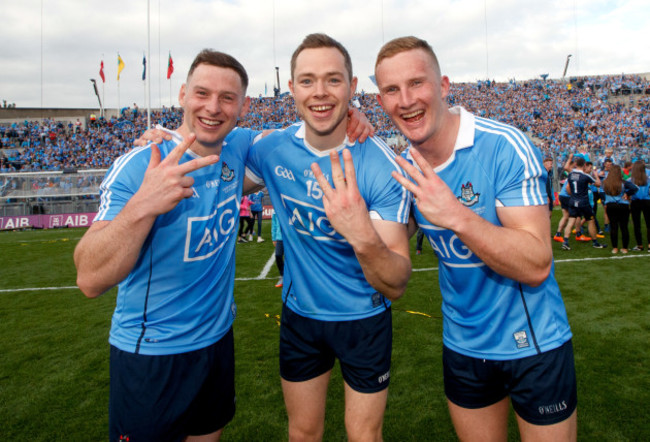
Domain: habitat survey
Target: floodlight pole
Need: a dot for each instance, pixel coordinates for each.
(566, 66)
(101, 109)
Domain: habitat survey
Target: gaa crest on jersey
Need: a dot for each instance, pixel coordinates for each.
(467, 195)
(227, 174)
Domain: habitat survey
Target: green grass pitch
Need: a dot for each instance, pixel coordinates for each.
(54, 350)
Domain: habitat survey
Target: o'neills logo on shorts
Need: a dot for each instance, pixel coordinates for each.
(384, 377)
(553, 408)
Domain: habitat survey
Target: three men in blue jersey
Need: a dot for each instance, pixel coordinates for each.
(166, 234)
(479, 194)
(346, 247)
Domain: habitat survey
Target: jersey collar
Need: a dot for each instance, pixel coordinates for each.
(466, 129)
(300, 134)
(177, 138)
(464, 137)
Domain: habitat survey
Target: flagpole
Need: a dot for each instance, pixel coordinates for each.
(170, 80)
(118, 85)
(148, 81)
(144, 87)
(159, 61)
(103, 88)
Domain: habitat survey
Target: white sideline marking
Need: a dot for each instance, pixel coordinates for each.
(265, 271)
(38, 289)
(600, 258)
(267, 267)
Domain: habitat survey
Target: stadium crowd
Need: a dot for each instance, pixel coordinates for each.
(600, 112)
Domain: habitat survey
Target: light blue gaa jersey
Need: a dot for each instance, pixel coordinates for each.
(179, 295)
(564, 191)
(487, 315)
(628, 189)
(323, 278)
(644, 191)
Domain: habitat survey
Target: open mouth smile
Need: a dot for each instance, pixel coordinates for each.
(212, 123)
(414, 116)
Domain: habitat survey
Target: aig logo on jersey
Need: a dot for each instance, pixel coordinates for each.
(206, 235)
(311, 220)
(284, 173)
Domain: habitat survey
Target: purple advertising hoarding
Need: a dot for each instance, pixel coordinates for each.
(46, 221)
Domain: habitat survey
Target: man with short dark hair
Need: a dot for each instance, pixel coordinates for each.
(346, 247)
(166, 233)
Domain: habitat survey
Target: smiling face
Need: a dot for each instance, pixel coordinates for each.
(412, 93)
(322, 88)
(212, 99)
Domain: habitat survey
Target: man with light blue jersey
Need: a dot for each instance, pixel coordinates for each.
(346, 247)
(479, 194)
(166, 232)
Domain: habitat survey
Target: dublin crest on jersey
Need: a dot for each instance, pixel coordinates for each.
(467, 195)
(227, 174)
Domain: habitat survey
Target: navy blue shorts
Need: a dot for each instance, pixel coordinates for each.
(585, 212)
(564, 202)
(309, 347)
(166, 398)
(542, 388)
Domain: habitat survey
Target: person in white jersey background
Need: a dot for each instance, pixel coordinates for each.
(346, 247)
(479, 192)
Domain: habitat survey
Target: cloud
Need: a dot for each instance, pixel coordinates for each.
(473, 39)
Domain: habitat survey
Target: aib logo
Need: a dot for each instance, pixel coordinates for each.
(206, 235)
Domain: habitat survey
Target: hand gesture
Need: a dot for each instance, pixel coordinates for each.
(359, 128)
(344, 206)
(434, 198)
(165, 183)
(152, 135)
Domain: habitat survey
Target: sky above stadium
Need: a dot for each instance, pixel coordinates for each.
(51, 49)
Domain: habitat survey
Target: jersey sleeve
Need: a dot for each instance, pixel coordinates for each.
(387, 199)
(519, 175)
(121, 182)
(630, 188)
(255, 159)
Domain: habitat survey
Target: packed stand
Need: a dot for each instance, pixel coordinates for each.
(605, 112)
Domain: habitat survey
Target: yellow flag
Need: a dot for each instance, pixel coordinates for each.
(120, 66)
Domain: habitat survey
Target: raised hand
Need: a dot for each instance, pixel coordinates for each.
(344, 206)
(434, 198)
(165, 182)
(156, 136)
(359, 127)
